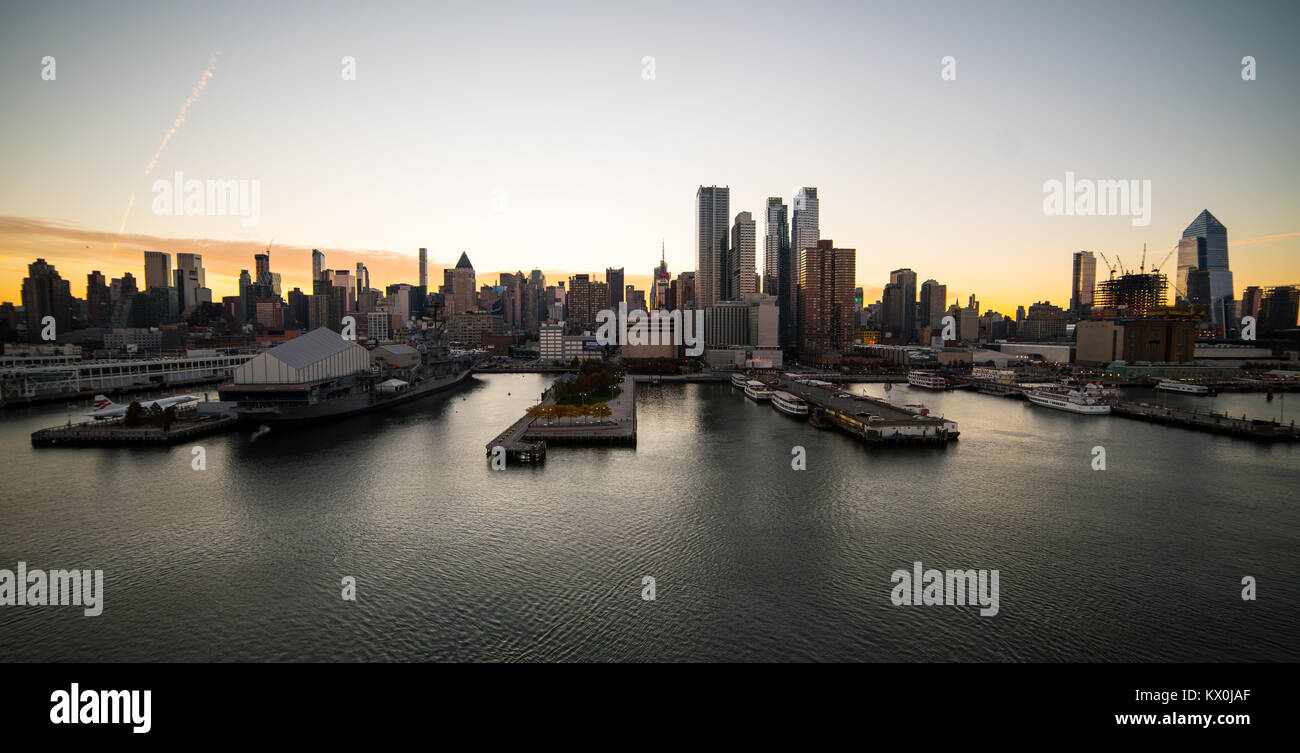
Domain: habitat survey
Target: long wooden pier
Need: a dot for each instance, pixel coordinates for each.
(872, 420)
(1203, 420)
(116, 432)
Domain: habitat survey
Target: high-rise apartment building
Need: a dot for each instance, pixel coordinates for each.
(741, 258)
(826, 282)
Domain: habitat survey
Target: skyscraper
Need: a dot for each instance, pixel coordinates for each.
(192, 281)
(424, 268)
(463, 287)
(614, 279)
(317, 265)
(780, 270)
(660, 283)
(740, 261)
(712, 211)
(934, 305)
(45, 293)
(262, 268)
(902, 320)
(1083, 280)
(157, 269)
(1207, 238)
(805, 233)
(826, 282)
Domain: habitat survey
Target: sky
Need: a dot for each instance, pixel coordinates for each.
(533, 135)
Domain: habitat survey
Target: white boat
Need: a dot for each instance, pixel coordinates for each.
(927, 380)
(740, 380)
(1073, 401)
(791, 405)
(758, 391)
(1169, 385)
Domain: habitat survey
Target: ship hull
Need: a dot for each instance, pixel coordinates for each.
(1062, 404)
(331, 410)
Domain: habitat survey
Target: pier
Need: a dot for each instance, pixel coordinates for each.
(1204, 420)
(115, 431)
(871, 420)
(526, 439)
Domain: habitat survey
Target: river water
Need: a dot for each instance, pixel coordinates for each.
(751, 559)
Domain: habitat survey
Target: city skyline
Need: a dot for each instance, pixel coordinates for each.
(941, 176)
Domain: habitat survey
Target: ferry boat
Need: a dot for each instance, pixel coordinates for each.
(1072, 401)
(740, 380)
(926, 380)
(1170, 385)
(791, 405)
(757, 391)
(1093, 389)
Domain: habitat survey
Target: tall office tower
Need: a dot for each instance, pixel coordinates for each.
(614, 279)
(262, 268)
(1020, 315)
(1207, 239)
(744, 246)
(1083, 281)
(424, 268)
(363, 277)
(44, 294)
(826, 282)
(712, 205)
(464, 290)
(973, 304)
(934, 302)
(512, 300)
(683, 292)
(660, 282)
(97, 300)
(904, 317)
(157, 269)
(317, 265)
(191, 281)
(776, 242)
(343, 279)
(534, 301)
(805, 233)
(782, 270)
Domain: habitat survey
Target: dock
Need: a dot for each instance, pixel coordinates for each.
(526, 440)
(871, 420)
(1211, 421)
(116, 432)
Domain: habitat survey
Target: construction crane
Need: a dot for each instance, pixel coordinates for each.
(1109, 266)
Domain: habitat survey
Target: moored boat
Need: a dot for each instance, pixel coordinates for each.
(791, 405)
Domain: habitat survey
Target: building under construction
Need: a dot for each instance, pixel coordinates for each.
(1137, 293)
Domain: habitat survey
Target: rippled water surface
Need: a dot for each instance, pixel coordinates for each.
(752, 560)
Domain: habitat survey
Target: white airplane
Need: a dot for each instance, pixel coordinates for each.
(105, 408)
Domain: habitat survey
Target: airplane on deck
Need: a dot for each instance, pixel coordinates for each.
(105, 408)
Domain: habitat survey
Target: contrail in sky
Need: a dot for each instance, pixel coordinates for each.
(176, 124)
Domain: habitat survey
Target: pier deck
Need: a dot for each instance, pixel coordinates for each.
(1203, 420)
(116, 432)
(872, 420)
(526, 439)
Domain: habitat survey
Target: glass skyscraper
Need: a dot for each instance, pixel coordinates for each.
(1204, 278)
(712, 230)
